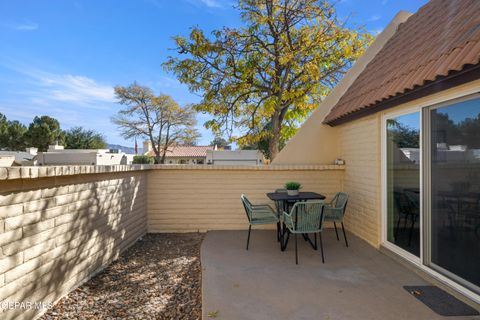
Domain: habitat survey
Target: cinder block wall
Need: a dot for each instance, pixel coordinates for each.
(360, 148)
(56, 232)
(200, 198)
(61, 225)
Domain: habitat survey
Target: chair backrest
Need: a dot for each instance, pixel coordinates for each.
(308, 216)
(340, 200)
(247, 205)
(402, 203)
(414, 199)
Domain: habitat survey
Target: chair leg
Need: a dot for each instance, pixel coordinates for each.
(284, 243)
(395, 236)
(321, 246)
(315, 235)
(296, 250)
(410, 234)
(248, 238)
(336, 232)
(278, 232)
(344, 235)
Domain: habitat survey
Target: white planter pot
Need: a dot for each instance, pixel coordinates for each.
(292, 192)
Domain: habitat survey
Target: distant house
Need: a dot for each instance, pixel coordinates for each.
(235, 157)
(57, 155)
(18, 158)
(181, 154)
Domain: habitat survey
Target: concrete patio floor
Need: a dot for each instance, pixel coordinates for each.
(358, 282)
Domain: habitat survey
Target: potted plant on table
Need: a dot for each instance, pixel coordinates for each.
(292, 188)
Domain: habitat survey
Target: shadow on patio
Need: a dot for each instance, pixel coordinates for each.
(358, 282)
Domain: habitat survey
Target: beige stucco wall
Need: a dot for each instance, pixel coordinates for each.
(208, 198)
(55, 232)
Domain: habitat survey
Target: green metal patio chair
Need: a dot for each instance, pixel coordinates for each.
(259, 214)
(335, 212)
(304, 218)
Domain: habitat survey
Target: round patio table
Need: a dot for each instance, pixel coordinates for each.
(286, 200)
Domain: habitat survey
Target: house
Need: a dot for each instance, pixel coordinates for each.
(414, 92)
(18, 158)
(57, 155)
(181, 154)
(235, 157)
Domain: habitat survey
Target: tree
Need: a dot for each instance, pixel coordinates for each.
(3, 131)
(143, 160)
(12, 135)
(403, 135)
(158, 118)
(80, 138)
(219, 142)
(44, 131)
(271, 72)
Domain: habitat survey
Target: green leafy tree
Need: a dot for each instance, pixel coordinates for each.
(158, 118)
(219, 142)
(470, 128)
(143, 160)
(403, 135)
(3, 131)
(44, 131)
(14, 138)
(266, 77)
(80, 138)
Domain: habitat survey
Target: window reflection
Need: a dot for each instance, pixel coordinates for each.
(403, 182)
(455, 185)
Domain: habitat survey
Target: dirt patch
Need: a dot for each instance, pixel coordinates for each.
(159, 277)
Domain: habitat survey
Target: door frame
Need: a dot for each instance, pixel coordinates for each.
(392, 247)
(422, 105)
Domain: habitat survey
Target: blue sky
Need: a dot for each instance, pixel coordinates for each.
(62, 57)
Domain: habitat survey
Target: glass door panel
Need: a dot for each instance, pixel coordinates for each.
(403, 182)
(455, 190)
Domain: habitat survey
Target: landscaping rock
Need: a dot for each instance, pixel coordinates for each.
(159, 277)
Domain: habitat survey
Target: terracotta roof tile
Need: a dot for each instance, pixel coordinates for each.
(443, 36)
(186, 151)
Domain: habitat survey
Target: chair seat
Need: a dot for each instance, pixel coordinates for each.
(332, 214)
(262, 216)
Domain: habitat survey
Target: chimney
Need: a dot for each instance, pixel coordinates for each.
(147, 146)
(31, 150)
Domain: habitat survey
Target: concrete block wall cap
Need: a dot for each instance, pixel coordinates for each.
(12, 173)
(249, 168)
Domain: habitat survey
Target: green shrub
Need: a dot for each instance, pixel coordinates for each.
(143, 160)
(291, 185)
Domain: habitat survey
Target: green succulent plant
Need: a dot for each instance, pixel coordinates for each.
(292, 185)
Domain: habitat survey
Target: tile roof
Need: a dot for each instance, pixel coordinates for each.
(186, 151)
(442, 37)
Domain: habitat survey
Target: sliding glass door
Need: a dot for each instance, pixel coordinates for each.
(403, 182)
(432, 188)
(455, 191)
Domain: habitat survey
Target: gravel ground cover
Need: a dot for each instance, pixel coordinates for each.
(159, 277)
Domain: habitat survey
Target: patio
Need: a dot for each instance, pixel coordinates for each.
(358, 282)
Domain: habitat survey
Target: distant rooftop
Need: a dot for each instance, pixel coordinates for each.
(186, 151)
(19, 155)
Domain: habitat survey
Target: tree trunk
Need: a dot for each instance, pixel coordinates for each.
(274, 141)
